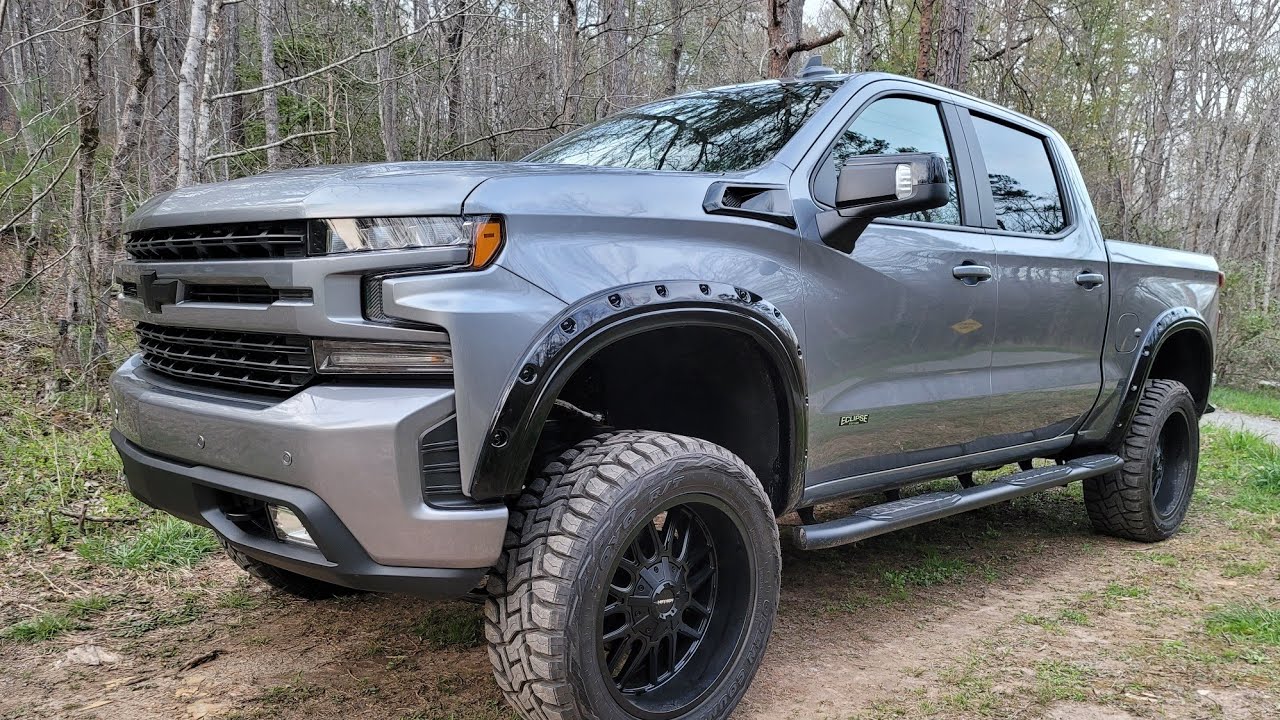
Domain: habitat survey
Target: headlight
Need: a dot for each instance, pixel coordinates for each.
(383, 358)
(480, 235)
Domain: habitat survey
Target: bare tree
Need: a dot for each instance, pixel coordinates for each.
(784, 22)
(955, 45)
(188, 87)
(270, 75)
(384, 19)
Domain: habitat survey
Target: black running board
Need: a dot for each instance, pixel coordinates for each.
(879, 519)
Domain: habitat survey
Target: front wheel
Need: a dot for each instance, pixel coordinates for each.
(1147, 498)
(640, 580)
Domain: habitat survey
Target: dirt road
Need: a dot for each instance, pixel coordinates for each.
(1016, 611)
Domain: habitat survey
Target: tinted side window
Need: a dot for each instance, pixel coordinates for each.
(893, 125)
(1022, 182)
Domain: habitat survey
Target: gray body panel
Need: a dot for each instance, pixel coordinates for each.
(951, 376)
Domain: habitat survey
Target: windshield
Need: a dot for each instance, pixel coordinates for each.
(723, 130)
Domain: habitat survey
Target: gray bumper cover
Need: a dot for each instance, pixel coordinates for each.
(196, 494)
(354, 448)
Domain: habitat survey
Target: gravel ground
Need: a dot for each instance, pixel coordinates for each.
(1266, 427)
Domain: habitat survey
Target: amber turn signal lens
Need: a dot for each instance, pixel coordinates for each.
(487, 244)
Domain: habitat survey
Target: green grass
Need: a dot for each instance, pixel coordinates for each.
(164, 543)
(42, 627)
(1256, 624)
(1253, 402)
(450, 626)
(49, 625)
(934, 570)
(1056, 680)
(1243, 569)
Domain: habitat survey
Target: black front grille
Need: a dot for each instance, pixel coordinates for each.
(249, 361)
(242, 294)
(239, 241)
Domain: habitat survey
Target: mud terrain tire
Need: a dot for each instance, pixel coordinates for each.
(603, 584)
(1147, 498)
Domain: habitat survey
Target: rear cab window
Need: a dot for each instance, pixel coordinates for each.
(1024, 187)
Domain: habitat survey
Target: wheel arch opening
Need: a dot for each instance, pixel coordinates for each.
(1187, 357)
(718, 384)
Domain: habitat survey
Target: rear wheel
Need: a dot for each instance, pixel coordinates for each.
(1147, 498)
(640, 580)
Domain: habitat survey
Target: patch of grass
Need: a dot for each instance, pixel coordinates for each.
(49, 625)
(42, 627)
(1243, 569)
(1163, 558)
(1121, 591)
(1074, 617)
(1253, 402)
(1056, 680)
(238, 600)
(934, 570)
(290, 694)
(450, 626)
(165, 543)
(1256, 624)
(1048, 624)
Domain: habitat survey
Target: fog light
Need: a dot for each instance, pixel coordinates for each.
(372, 357)
(289, 527)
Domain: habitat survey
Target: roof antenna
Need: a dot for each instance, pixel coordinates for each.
(815, 68)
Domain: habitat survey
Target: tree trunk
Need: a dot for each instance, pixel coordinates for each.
(565, 106)
(784, 23)
(384, 22)
(188, 81)
(617, 68)
(924, 41)
(457, 30)
(868, 20)
(81, 276)
(955, 46)
(270, 74)
(209, 87)
(784, 20)
(677, 47)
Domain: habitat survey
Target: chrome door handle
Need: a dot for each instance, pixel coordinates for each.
(1090, 280)
(971, 274)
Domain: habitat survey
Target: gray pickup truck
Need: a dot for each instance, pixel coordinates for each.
(583, 386)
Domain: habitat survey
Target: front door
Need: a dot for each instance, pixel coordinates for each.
(1052, 270)
(900, 331)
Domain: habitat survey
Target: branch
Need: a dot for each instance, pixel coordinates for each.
(33, 277)
(1004, 50)
(814, 44)
(61, 29)
(41, 196)
(268, 146)
(330, 66)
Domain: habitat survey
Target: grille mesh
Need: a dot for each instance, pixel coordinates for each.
(238, 294)
(241, 241)
(253, 361)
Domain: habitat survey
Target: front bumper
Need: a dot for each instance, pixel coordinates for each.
(210, 497)
(352, 451)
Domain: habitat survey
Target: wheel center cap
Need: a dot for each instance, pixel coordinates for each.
(664, 601)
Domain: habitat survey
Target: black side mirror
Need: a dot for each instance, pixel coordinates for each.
(872, 186)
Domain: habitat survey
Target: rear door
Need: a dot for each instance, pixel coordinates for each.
(1052, 272)
(899, 340)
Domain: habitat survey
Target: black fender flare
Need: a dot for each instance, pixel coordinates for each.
(595, 322)
(1166, 325)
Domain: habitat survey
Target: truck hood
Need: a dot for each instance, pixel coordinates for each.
(383, 189)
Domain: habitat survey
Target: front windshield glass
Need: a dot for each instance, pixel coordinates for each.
(723, 130)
